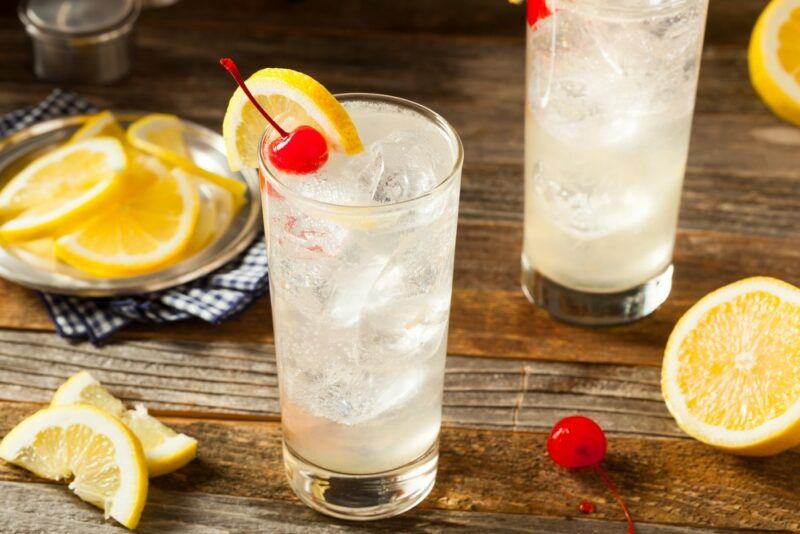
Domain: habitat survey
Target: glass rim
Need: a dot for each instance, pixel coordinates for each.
(602, 7)
(424, 111)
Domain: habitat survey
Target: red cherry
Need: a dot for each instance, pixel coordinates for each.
(576, 442)
(537, 10)
(301, 151)
(586, 507)
(304, 150)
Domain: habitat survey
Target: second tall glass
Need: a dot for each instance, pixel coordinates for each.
(610, 96)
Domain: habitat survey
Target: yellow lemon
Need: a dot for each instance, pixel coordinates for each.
(103, 459)
(164, 449)
(774, 58)
(61, 188)
(146, 229)
(292, 99)
(731, 372)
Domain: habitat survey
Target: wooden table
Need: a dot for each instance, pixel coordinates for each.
(512, 371)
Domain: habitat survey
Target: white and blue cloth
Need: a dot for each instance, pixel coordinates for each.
(212, 298)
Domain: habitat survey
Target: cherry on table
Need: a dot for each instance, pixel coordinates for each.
(576, 442)
(301, 151)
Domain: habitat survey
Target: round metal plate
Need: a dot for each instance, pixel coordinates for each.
(207, 149)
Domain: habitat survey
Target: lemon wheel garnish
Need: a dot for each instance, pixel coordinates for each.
(61, 188)
(102, 457)
(731, 372)
(145, 230)
(774, 58)
(99, 125)
(165, 450)
(161, 135)
(292, 99)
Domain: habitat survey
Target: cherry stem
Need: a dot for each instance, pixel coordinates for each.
(231, 67)
(617, 495)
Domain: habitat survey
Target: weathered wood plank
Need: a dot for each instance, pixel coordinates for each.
(665, 481)
(240, 380)
(166, 510)
(490, 316)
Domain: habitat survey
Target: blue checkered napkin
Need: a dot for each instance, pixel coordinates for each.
(213, 298)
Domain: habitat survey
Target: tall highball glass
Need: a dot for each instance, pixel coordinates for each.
(610, 95)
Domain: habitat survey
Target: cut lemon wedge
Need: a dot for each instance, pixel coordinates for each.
(103, 458)
(774, 58)
(161, 135)
(165, 450)
(292, 99)
(731, 372)
(147, 228)
(60, 188)
(99, 125)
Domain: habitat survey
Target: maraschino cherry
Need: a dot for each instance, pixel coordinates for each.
(576, 442)
(301, 151)
(537, 10)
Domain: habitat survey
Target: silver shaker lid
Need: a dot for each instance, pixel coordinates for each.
(74, 18)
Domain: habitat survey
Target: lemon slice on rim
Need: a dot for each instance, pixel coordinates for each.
(161, 135)
(731, 372)
(62, 187)
(103, 457)
(164, 449)
(146, 229)
(99, 125)
(774, 58)
(292, 99)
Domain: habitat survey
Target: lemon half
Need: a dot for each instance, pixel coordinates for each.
(774, 58)
(731, 372)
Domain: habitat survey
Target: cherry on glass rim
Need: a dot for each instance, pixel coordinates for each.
(301, 151)
(577, 442)
(537, 10)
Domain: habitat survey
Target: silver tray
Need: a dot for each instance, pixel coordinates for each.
(206, 148)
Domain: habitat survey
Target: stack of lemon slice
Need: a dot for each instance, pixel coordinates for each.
(88, 436)
(117, 203)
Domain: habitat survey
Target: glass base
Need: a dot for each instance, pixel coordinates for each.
(362, 497)
(596, 309)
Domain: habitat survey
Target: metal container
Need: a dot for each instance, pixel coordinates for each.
(80, 40)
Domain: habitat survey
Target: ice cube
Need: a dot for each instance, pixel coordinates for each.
(409, 168)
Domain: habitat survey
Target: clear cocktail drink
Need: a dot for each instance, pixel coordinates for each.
(361, 265)
(610, 95)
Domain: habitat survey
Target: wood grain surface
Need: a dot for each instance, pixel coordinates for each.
(511, 370)
(508, 472)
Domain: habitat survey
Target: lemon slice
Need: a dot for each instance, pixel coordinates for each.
(61, 187)
(731, 372)
(165, 450)
(146, 229)
(774, 58)
(104, 458)
(215, 215)
(292, 99)
(162, 136)
(99, 125)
